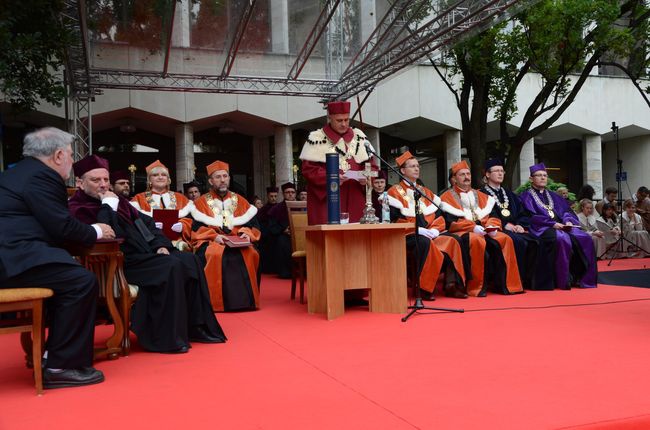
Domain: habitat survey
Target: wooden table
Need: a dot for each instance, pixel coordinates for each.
(105, 259)
(352, 257)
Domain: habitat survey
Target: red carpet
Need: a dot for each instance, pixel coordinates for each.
(541, 360)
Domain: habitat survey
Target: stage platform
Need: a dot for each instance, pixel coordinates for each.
(540, 360)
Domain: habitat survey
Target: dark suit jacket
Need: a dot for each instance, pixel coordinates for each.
(34, 219)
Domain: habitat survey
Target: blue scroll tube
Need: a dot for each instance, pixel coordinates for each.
(333, 200)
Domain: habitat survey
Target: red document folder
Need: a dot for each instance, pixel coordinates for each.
(236, 242)
(168, 217)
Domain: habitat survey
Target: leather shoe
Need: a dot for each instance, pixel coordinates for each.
(199, 334)
(181, 350)
(425, 295)
(72, 377)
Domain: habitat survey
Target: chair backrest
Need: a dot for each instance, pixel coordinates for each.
(297, 218)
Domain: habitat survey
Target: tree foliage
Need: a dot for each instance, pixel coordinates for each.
(33, 41)
(559, 40)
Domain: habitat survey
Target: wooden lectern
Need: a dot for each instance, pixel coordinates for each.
(352, 257)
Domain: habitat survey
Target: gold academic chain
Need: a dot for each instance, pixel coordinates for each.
(506, 203)
(227, 214)
(549, 206)
(472, 209)
(152, 203)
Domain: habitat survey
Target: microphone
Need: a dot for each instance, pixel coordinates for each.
(614, 126)
(369, 148)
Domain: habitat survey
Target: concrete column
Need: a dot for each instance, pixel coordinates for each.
(280, 26)
(184, 155)
(452, 148)
(592, 163)
(283, 155)
(526, 159)
(181, 33)
(261, 165)
(368, 19)
(373, 136)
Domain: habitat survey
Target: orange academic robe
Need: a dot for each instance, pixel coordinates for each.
(147, 201)
(474, 209)
(230, 215)
(400, 197)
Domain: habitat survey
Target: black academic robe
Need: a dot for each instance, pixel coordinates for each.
(266, 242)
(278, 222)
(534, 258)
(173, 294)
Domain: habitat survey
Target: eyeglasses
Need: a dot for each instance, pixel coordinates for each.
(540, 175)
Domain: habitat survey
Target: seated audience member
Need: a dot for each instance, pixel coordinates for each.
(438, 251)
(563, 192)
(642, 202)
(588, 223)
(611, 194)
(120, 183)
(280, 235)
(535, 264)
(493, 259)
(257, 202)
(553, 220)
(586, 192)
(302, 196)
(35, 225)
(173, 306)
(192, 190)
(634, 232)
(266, 243)
(379, 185)
(232, 272)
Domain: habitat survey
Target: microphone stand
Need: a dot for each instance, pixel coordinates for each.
(418, 305)
(618, 245)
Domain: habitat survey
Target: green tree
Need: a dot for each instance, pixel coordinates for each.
(559, 40)
(33, 40)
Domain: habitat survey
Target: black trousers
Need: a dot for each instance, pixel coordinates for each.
(71, 311)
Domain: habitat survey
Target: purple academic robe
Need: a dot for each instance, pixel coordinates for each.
(540, 222)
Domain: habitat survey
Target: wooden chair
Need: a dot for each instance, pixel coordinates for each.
(27, 299)
(298, 218)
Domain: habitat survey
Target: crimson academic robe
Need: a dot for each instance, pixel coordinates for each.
(232, 273)
(463, 212)
(400, 198)
(352, 156)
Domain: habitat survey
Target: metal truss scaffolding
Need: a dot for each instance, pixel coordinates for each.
(408, 32)
(81, 92)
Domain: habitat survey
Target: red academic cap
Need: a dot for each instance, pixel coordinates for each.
(459, 166)
(155, 164)
(89, 163)
(338, 107)
(404, 158)
(217, 165)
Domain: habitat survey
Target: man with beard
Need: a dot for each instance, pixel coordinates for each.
(279, 230)
(224, 217)
(120, 183)
(173, 305)
(535, 266)
(468, 215)
(553, 221)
